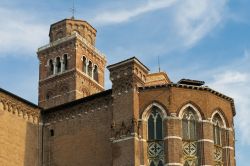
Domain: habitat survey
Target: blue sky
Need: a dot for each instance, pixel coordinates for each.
(205, 40)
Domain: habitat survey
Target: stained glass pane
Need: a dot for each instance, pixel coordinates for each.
(152, 163)
(192, 130)
(218, 135)
(155, 147)
(158, 127)
(185, 129)
(150, 128)
(160, 163)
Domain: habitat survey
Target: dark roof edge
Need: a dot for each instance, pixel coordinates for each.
(205, 88)
(127, 60)
(78, 101)
(20, 99)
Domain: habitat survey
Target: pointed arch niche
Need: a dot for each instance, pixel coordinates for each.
(153, 118)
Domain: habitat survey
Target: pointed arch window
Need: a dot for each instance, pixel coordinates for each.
(190, 137)
(217, 129)
(189, 125)
(218, 133)
(155, 137)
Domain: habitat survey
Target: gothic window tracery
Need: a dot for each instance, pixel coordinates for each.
(155, 137)
(217, 132)
(190, 137)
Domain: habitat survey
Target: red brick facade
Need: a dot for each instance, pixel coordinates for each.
(144, 120)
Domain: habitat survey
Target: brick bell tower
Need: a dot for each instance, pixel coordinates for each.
(70, 65)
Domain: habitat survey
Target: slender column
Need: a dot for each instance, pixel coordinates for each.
(62, 65)
(92, 72)
(143, 134)
(87, 66)
(54, 64)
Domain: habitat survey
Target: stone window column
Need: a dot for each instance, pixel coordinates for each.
(62, 65)
(87, 64)
(92, 73)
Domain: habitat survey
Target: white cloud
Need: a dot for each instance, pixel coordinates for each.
(119, 16)
(189, 20)
(20, 33)
(234, 81)
(195, 19)
(231, 77)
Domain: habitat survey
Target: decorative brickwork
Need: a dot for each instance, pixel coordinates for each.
(64, 73)
(144, 120)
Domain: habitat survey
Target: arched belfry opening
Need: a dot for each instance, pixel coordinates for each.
(95, 73)
(51, 67)
(84, 64)
(65, 62)
(90, 69)
(58, 65)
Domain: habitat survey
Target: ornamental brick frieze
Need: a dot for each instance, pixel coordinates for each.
(124, 129)
(19, 109)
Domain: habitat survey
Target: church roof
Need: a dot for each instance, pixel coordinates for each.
(76, 20)
(127, 61)
(78, 101)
